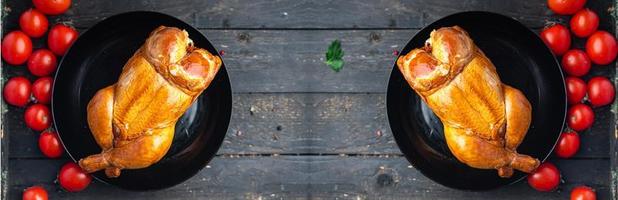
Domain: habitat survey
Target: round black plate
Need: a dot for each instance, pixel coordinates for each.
(522, 60)
(95, 61)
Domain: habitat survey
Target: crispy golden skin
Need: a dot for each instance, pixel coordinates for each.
(133, 120)
(484, 119)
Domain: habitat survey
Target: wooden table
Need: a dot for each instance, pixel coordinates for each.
(299, 130)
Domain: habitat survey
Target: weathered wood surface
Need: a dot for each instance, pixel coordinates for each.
(322, 134)
(308, 14)
(327, 177)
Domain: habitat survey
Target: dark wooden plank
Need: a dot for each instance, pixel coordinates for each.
(301, 123)
(310, 123)
(262, 61)
(4, 151)
(397, 180)
(298, 14)
(307, 14)
(293, 60)
(4, 142)
(310, 177)
(614, 155)
(4, 148)
(613, 127)
(224, 178)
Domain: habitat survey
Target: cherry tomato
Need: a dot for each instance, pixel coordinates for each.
(580, 117)
(566, 7)
(41, 90)
(52, 7)
(545, 178)
(568, 144)
(17, 91)
(50, 145)
(600, 91)
(60, 38)
(34, 193)
(42, 62)
(33, 23)
(557, 37)
(576, 89)
(575, 62)
(72, 178)
(583, 193)
(584, 23)
(601, 48)
(16, 48)
(37, 117)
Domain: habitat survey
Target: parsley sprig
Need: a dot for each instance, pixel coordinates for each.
(334, 56)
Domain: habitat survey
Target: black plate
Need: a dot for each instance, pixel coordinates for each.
(522, 60)
(95, 61)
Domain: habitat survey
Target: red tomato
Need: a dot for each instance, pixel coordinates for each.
(566, 7)
(576, 89)
(72, 178)
(34, 193)
(545, 178)
(42, 62)
(17, 91)
(33, 23)
(601, 48)
(600, 91)
(583, 193)
(52, 7)
(557, 37)
(568, 144)
(50, 145)
(37, 117)
(580, 117)
(41, 90)
(575, 62)
(16, 48)
(584, 23)
(60, 38)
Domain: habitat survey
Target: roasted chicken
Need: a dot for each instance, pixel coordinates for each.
(484, 119)
(133, 120)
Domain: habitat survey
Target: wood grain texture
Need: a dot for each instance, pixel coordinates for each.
(296, 14)
(613, 127)
(305, 14)
(262, 61)
(613, 148)
(4, 141)
(309, 123)
(316, 177)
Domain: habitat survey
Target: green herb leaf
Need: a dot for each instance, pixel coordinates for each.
(334, 56)
(336, 65)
